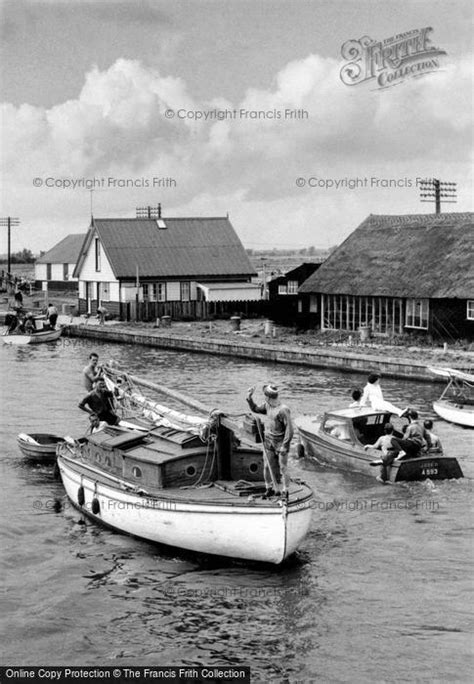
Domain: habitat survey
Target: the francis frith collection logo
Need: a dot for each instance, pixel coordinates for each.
(391, 61)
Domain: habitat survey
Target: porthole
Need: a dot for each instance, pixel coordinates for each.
(253, 467)
(136, 472)
(190, 470)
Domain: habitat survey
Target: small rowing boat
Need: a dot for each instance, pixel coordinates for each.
(456, 403)
(40, 446)
(16, 334)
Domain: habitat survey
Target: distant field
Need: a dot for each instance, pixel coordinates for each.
(25, 270)
(276, 265)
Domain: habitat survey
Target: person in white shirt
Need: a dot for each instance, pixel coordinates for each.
(373, 396)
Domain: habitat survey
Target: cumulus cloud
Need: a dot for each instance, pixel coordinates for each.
(117, 125)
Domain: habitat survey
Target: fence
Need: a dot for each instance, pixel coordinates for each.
(193, 310)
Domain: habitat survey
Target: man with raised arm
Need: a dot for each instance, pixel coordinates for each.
(276, 444)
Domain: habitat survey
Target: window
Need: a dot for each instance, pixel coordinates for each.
(282, 290)
(185, 291)
(146, 292)
(97, 254)
(292, 287)
(470, 310)
(417, 313)
(48, 271)
(65, 271)
(160, 292)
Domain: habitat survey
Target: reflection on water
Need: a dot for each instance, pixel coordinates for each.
(380, 582)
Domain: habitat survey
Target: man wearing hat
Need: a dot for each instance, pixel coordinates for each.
(276, 444)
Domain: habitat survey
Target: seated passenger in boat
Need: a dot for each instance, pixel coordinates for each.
(373, 396)
(433, 440)
(11, 320)
(30, 326)
(100, 403)
(390, 449)
(340, 431)
(415, 436)
(356, 398)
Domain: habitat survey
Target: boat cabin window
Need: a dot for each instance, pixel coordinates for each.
(369, 428)
(338, 428)
(136, 471)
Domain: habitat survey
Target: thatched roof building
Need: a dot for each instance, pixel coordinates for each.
(400, 272)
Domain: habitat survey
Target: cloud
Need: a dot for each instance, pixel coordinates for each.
(117, 126)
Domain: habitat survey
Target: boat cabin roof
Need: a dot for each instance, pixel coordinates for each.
(356, 412)
(156, 445)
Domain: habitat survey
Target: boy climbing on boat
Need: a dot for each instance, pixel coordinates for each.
(100, 404)
(277, 437)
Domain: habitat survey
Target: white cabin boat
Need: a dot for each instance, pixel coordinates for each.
(188, 487)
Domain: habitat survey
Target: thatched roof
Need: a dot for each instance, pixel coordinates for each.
(418, 255)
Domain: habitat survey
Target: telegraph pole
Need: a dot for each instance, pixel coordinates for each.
(9, 222)
(438, 191)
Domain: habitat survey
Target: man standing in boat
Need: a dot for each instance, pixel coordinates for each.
(99, 404)
(52, 315)
(277, 438)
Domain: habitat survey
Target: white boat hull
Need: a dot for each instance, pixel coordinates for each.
(238, 529)
(461, 414)
(36, 338)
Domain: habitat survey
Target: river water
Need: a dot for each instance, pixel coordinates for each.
(381, 590)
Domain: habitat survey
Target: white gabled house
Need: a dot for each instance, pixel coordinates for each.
(164, 260)
(57, 265)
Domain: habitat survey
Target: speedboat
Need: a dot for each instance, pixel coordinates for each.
(193, 484)
(456, 403)
(338, 439)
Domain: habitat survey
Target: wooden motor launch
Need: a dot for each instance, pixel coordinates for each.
(186, 481)
(338, 438)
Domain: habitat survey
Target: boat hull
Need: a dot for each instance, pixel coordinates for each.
(460, 414)
(192, 519)
(43, 450)
(36, 338)
(432, 465)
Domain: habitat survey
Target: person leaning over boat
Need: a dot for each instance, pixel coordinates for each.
(277, 438)
(52, 315)
(390, 450)
(415, 436)
(92, 371)
(373, 396)
(100, 404)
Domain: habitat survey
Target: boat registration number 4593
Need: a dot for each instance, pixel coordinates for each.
(430, 468)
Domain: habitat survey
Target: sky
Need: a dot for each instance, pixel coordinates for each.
(122, 96)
